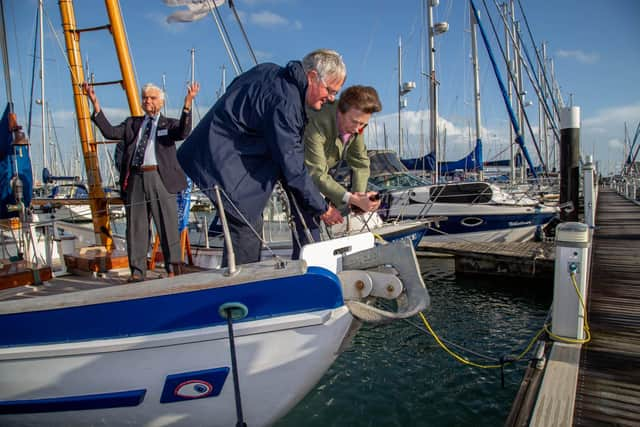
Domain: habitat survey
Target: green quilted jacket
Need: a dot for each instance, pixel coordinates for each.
(323, 150)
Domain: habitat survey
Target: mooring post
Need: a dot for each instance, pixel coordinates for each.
(569, 161)
(589, 191)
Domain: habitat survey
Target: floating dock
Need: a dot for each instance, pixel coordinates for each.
(517, 259)
(597, 383)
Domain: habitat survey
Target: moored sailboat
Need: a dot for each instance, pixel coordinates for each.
(219, 347)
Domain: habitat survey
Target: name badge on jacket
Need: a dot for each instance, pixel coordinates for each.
(163, 132)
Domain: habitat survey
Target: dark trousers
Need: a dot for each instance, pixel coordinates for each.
(246, 245)
(147, 197)
(313, 224)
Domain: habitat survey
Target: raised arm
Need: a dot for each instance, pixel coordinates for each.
(192, 91)
(184, 127)
(98, 117)
(91, 94)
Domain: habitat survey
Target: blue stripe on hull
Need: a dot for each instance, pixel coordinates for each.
(415, 235)
(318, 289)
(74, 403)
(456, 224)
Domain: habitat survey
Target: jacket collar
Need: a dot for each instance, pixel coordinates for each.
(162, 121)
(294, 72)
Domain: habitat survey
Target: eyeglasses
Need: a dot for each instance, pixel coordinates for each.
(331, 92)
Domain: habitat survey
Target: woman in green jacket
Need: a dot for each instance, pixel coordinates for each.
(334, 138)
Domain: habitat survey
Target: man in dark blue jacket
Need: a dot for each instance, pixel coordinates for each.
(252, 137)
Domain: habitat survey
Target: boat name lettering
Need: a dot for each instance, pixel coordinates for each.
(518, 223)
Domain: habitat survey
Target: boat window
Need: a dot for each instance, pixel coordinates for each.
(468, 192)
(472, 221)
(385, 162)
(397, 181)
(69, 191)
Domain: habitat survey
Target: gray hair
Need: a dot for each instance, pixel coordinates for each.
(327, 63)
(151, 86)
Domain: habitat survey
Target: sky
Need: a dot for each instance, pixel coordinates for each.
(594, 47)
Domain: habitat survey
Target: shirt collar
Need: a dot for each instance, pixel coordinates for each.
(344, 137)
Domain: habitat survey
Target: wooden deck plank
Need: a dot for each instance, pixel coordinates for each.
(608, 381)
(608, 390)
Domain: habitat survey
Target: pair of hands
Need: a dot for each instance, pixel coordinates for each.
(363, 202)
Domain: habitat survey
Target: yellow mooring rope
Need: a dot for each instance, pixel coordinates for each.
(587, 333)
(545, 328)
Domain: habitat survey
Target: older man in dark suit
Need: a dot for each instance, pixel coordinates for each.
(252, 138)
(150, 175)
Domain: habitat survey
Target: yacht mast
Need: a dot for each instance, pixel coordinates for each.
(476, 91)
(434, 30)
(433, 108)
(508, 64)
(164, 89)
(42, 94)
(400, 99)
(193, 65)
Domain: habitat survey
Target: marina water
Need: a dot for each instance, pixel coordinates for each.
(397, 375)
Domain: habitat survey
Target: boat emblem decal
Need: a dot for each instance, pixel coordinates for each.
(193, 389)
(194, 385)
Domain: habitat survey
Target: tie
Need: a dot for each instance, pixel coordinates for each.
(138, 156)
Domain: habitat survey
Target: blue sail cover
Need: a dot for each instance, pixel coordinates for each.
(184, 205)
(472, 162)
(14, 160)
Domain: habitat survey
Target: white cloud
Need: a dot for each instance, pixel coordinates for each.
(579, 55)
(161, 20)
(263, 56)
(415, 124)
(602, 134)
(613, 116)
(267, 19)
(615, 144)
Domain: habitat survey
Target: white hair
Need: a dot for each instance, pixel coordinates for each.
(151, 86)
(327, 63)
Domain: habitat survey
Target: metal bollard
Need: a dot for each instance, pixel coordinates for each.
(572, 256)
(589, 192)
